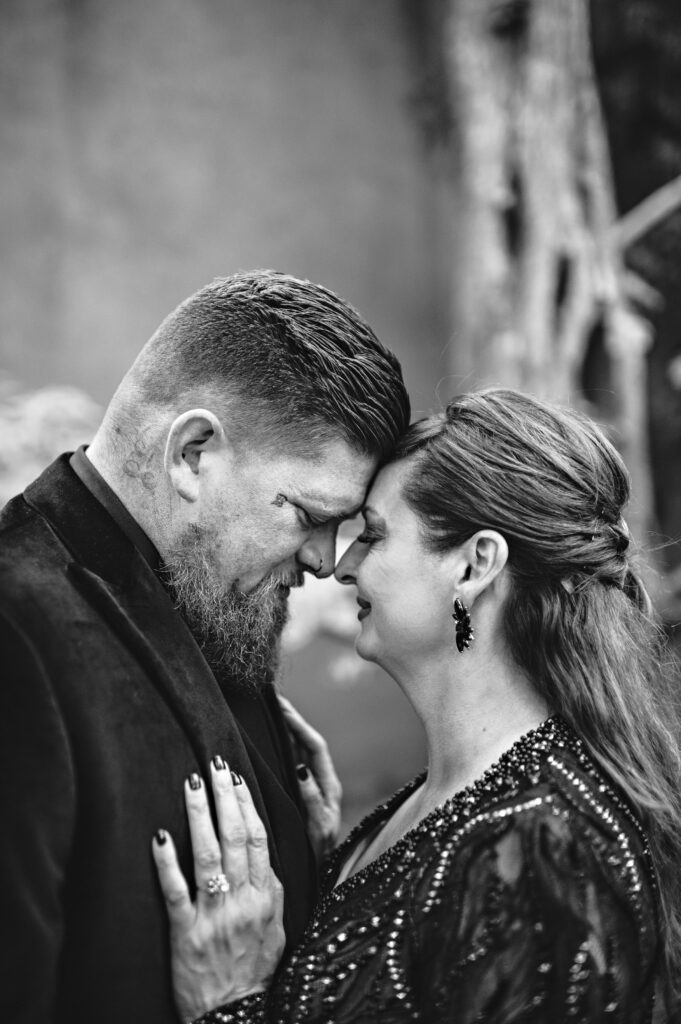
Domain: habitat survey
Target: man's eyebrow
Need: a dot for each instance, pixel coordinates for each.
(317, 505)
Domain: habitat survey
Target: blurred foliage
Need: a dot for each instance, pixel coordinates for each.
(637, 53)
(36, 426)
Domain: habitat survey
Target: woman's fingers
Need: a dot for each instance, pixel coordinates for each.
(317, 750)
(319, 785)
(313, 798)
(240, 850)
(231, 826)
(278, 891)
(302, 729)
(173, 884)
(325, 773)
(323, 815)
(205, 846)
(276, 936)
(256, 839)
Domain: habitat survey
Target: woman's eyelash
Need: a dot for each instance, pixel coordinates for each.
(368, 536)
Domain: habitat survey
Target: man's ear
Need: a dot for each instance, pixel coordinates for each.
(189, 436)
(485, 555)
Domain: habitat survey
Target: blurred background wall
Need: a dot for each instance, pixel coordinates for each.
(146, 148)
(149, 147)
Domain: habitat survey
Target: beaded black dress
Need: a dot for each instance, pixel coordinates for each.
(528, 897)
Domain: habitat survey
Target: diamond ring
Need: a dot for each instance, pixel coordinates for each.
(215, 885)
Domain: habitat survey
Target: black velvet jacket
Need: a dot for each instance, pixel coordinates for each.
(106, 704)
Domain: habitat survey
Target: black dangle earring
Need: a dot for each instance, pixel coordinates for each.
(464, 631)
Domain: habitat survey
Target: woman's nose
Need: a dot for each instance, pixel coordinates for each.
(346, 570)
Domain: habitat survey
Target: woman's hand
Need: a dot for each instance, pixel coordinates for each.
(228, 943)
(319, 784)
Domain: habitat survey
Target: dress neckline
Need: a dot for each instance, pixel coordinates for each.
(522, 759)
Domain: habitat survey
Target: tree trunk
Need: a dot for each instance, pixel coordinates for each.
(537, 271)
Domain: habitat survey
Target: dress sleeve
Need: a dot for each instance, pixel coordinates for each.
(249, 1010)
(535, 917)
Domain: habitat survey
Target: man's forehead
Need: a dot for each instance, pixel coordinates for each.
(334, 483)
(333, 504)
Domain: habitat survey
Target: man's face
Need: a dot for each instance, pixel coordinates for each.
(264, 514)
(261, 521)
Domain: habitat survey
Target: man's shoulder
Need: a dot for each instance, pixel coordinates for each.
(27, 539)
(34, 562)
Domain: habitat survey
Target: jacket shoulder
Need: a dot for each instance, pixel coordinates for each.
(30, 550)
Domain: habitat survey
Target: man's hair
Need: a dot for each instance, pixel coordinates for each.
(577, 619)
(297, 364)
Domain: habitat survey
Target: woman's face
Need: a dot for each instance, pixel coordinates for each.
(404, 591)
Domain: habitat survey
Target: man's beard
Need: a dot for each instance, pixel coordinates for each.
(237, 633)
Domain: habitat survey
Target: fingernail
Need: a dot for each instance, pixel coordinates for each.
(302, 772)
(236, 778)
(161, 836)
(194, 781)
(218, 763)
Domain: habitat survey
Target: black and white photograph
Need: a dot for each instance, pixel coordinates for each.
(340, 512)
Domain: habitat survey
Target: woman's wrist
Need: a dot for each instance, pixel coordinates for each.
(248, 1010)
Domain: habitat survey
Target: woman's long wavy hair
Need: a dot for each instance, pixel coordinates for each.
(578, 619)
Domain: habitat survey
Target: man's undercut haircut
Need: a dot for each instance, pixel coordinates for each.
(297, 365)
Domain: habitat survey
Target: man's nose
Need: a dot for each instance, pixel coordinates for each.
(318, 553)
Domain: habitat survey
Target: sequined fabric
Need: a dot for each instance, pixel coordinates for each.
(249, 1010)
(528, 897)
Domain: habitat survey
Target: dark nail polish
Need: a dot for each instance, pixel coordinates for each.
(236, 779)
(302, 772)
(194, 781)
(218, 763)
(161, 836)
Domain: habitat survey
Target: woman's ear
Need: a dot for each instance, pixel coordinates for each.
(485, 555)
(189, 436)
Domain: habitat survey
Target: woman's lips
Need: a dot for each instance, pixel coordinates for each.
(364, 608)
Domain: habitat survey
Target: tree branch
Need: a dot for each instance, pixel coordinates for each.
(653, 209)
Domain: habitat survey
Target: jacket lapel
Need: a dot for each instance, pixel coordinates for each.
(115, 579)
(148, 624)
